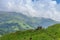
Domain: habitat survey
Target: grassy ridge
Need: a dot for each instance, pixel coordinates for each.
(51, 33)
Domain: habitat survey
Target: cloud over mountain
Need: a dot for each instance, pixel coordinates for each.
(35, 8)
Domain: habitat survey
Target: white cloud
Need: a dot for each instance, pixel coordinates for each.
(40, 8)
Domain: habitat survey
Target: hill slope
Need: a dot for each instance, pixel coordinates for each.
(51, 33)
(12, 21)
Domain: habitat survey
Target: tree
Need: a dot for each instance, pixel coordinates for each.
(39, 27)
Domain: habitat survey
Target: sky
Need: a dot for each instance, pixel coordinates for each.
(35, 8)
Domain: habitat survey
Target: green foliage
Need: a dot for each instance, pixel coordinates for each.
(51, 33)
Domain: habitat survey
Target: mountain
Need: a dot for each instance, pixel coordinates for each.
(51, 33)
(13, 21)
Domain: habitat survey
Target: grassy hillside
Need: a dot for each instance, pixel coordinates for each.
(51, 33)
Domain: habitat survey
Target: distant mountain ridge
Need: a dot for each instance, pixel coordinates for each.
(13, 21)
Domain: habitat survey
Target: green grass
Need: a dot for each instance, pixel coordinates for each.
(51, 33)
